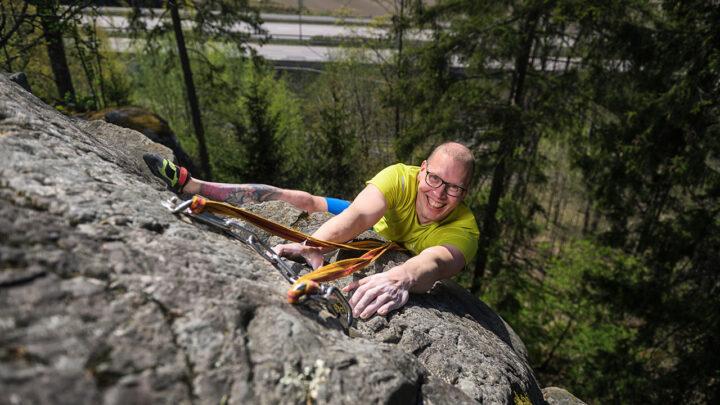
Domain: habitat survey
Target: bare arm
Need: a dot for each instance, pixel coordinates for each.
(367, 208)
(240, 194)
(364, 212)
(431, 265)
(384, 292)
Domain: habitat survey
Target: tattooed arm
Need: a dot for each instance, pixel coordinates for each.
(239, 194)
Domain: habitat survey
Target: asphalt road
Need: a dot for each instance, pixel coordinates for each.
(281, 52)
(284, 27)
(280, 26)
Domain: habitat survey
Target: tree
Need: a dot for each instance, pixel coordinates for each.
(395, 69)
(190, 87)
(212, 20)
(12, 19)
(651, 163)
(258, 132)
(27, 24)
(493, 76)
(335, 153)
(568, 323)
(53, 29)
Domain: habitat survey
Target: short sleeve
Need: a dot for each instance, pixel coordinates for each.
(463, 239)
(461, 231)
(388, 180)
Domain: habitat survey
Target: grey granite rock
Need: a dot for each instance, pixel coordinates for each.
(107, 298)
(560, 396)
(149, 124)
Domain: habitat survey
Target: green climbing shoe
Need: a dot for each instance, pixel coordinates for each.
(175, 177)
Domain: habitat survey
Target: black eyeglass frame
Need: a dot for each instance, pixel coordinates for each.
(444, 183)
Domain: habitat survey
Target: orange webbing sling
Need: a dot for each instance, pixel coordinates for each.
(307, 283)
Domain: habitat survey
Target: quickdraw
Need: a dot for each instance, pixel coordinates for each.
(307, 285)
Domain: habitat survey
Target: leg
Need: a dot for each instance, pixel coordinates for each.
(239, 194)
(179, 181)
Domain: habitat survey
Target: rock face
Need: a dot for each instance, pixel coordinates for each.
(149, 124)
(559, 396)
(106, 297)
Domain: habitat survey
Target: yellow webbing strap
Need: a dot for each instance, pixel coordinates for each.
(199, 204)
(307, 283)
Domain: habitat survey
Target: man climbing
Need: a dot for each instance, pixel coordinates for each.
(418, 207)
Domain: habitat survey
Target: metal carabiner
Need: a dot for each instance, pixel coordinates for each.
(176, 205)
(336, 303)
(342, 307)
(270, 255)
(331, 297)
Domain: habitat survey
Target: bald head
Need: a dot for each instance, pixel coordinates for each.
(459, 153)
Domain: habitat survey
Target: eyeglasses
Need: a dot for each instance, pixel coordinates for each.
(434, 181)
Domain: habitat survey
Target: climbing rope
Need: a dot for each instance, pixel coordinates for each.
(308, 285)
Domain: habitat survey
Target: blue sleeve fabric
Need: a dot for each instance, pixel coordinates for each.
(336, 205)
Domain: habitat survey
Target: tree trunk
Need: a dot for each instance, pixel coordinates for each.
(87, 69)
(18, 19)
(586, 216)
(399, 31)
(190, 89)
(489, 230)
(53, 35)
(559, 202)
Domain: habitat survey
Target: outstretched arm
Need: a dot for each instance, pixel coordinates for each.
(367, 208)
(239, 194)
(384, 292)
(364, 212)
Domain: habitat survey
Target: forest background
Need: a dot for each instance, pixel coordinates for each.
(594, 125)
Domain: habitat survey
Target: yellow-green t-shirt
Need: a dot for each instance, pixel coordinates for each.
(399, 185)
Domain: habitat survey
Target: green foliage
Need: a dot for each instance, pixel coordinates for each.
(629, 317)
(259, 129)
(567, 318)
(347, 134)
(514, 90)
(334, 150)
(103, 76)
(98, 75)
(331, 141)
(158, 85)
(20, 48)
(250, 115)
(253, 118)
(116, 89)
(646, 162)
(210, 21)
(641, 110)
